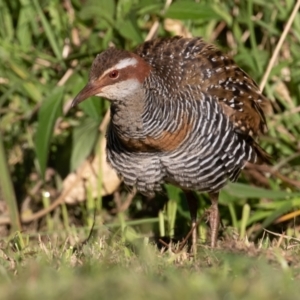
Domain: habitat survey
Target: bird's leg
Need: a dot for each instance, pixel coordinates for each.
(214, 218)
(193, 206)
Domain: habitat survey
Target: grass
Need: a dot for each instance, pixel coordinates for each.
(108, 268)
(57, 182)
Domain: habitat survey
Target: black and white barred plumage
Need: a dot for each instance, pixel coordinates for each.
(211, 153)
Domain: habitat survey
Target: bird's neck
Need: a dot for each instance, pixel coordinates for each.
(139, 121)
(126, 116)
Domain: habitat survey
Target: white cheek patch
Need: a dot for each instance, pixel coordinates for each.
(120, 90)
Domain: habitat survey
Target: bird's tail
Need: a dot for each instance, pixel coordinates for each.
(262, 156)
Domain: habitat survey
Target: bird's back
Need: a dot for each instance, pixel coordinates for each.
(191, 61)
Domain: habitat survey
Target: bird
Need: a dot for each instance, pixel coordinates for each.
(183, 113)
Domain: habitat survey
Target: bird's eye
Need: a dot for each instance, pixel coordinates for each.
(113, 74)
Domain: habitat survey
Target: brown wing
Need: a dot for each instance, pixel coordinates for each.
(236, 92)
(202, 64)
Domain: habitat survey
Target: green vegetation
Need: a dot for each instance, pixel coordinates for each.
(138, 271)
(55, 182)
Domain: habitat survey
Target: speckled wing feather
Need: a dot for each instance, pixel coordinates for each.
(193, 61)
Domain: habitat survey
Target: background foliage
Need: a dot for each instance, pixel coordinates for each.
(46, 49)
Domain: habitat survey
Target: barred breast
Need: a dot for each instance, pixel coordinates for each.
(210, 153)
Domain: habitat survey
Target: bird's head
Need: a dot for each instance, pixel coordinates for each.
(115, 75)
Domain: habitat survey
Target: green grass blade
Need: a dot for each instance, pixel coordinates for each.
(48, 30)
(7, 191)
(93, 108)
(246, 191)
(48, 114)
(84, 139)
(191, 11)
(245, 218)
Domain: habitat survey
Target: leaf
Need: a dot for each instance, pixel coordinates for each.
(32, 89)
(173, 192)
(270, 216)
(104, 16)
(6, 22)
(84, 138)
(18, 69)
(93, 108)
(258, 216)
(224, 13)
(284, 208)
(48, 113)
(191, 11)
(128, 28)
(23, 30)
(246, 191)
(151, 8)
(176, 195)
(48, 31)
(7, 190)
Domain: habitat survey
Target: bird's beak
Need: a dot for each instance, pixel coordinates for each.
(89, 90)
